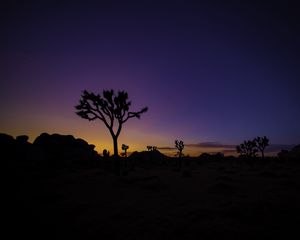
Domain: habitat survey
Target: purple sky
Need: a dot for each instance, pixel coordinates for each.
(209, 72)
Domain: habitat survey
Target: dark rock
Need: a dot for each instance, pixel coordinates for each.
(65, 150)
(295, 152)
(6, 139)
(22, 139)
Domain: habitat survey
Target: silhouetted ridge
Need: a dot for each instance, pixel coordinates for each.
(294, 154)
(148, 158)
(6, 140)
(22, 139)
(16, 151)
(46, 151)
(148, 154)
(63, 150)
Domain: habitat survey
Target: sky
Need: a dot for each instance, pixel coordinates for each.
(213, 73)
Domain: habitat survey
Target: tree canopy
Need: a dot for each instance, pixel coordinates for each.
(112, 109)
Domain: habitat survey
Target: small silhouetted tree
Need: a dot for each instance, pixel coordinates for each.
(124, 148)
(247, 148)
(112, 109)
(152, 148)
(149, 148)
(261, 144)
(180, 146)
(105, 154)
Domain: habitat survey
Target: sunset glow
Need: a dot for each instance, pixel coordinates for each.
(201, 71)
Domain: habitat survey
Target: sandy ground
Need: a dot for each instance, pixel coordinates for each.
(206, 201)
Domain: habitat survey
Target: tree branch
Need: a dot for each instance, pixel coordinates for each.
(135, 114)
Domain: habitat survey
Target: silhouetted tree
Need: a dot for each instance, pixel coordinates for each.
(247, 148)
(151, 148)
(124, 148)
(105, 154)
(261, 144)
(180, 146)
(112, 109)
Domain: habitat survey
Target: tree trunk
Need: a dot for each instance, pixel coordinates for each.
(117, 165)
(262, 154)
(180, 160)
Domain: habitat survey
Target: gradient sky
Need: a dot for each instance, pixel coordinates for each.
(214, 72)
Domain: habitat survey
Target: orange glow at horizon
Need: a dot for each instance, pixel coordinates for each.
(137, 134)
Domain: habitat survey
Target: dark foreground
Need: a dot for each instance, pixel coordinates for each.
(214, 200)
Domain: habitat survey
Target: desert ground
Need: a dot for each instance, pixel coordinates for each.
(210, 200)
